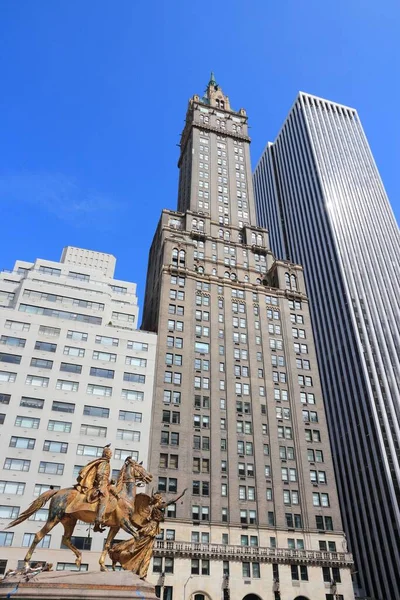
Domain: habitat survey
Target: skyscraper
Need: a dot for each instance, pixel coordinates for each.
(319, 193)
(238, 415)
(75, 374)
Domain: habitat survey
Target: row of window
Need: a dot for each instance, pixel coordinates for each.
(79, 336)
(65, 427)
(72, 386)
(69, 407)
(52, 468)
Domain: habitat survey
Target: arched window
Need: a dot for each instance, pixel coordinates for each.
(226, 274)
(217, 102)
(201, 225)
(227, 235)
(221, 233)
(233, 276)
(194, 223)
(293, 282)
(214, 271)
(246, 278)
(287, 281)
(175, 256)
(222, 103)
(258, 281)
(259, 239)
(240, 237)
(200, 269)
(182, 258)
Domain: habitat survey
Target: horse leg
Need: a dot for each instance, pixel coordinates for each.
(112, 532)
(127, 526)
(38, 537)
(69, 523)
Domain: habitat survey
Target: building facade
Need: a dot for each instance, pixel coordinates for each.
(238, 416)
(75, 375)
(319, 193)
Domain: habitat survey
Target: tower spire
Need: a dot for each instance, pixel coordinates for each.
(212, 79)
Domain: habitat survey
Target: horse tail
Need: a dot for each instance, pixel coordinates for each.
(36, 504)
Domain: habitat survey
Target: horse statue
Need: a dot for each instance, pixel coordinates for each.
(69, 505)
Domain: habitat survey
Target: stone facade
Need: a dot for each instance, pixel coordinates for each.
(238, 415)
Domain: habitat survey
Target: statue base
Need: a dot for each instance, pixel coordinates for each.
(77, 585)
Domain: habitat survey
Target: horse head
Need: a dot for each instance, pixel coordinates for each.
(137, 471)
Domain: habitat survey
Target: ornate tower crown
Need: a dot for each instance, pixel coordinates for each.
(214, 95)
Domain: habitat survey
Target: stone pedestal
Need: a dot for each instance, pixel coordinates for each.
(77, 585)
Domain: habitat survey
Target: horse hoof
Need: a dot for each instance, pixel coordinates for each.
(78, 562)
(102, 568)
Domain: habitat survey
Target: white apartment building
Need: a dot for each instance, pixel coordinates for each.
(75, 375)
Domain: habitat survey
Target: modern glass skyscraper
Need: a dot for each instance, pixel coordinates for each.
(319, 193)
(238, 415)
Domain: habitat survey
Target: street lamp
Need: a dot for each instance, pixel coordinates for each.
(184, 587)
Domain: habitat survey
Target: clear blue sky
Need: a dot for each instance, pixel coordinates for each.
(94, 94)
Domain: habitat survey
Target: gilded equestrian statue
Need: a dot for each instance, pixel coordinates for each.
(93, 499)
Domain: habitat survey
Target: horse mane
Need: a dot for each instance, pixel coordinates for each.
(120, 480)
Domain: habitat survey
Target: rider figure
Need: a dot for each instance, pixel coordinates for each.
(93, 480)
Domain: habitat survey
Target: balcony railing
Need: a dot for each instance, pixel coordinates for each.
(251, 553)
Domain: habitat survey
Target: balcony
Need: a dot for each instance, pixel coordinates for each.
(252, 553)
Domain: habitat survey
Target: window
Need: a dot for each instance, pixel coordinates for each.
(96, 411)
(27, 422)
(37, 381)
(98, 372)
(134, 377)
(67, 407)
(80, 542)
(79, 276)
(93, 430)
(51, 468)
(17, 464)
(22, 442)
(67, 386)
(106, 341)
(73, 351)
(5, 398)
(141, 346)
(61, 426)
(331, 574)
(78, 336)
(128, 415)
(63, 566)
(94, 451)
(10, 358)
(98, 390)
(9, 512)
(299, 572)
(9, 340)
(135, 361)
(59, 314)
(12, 487)
(40, 488)
(324, 523)
(6, 539)
(128, 435)
(17, 325)
(7, 376)
(28, 540)
(71, 368)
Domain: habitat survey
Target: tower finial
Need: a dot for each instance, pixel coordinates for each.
(212, 79)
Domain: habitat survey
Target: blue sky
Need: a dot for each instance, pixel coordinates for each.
(94, 96)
